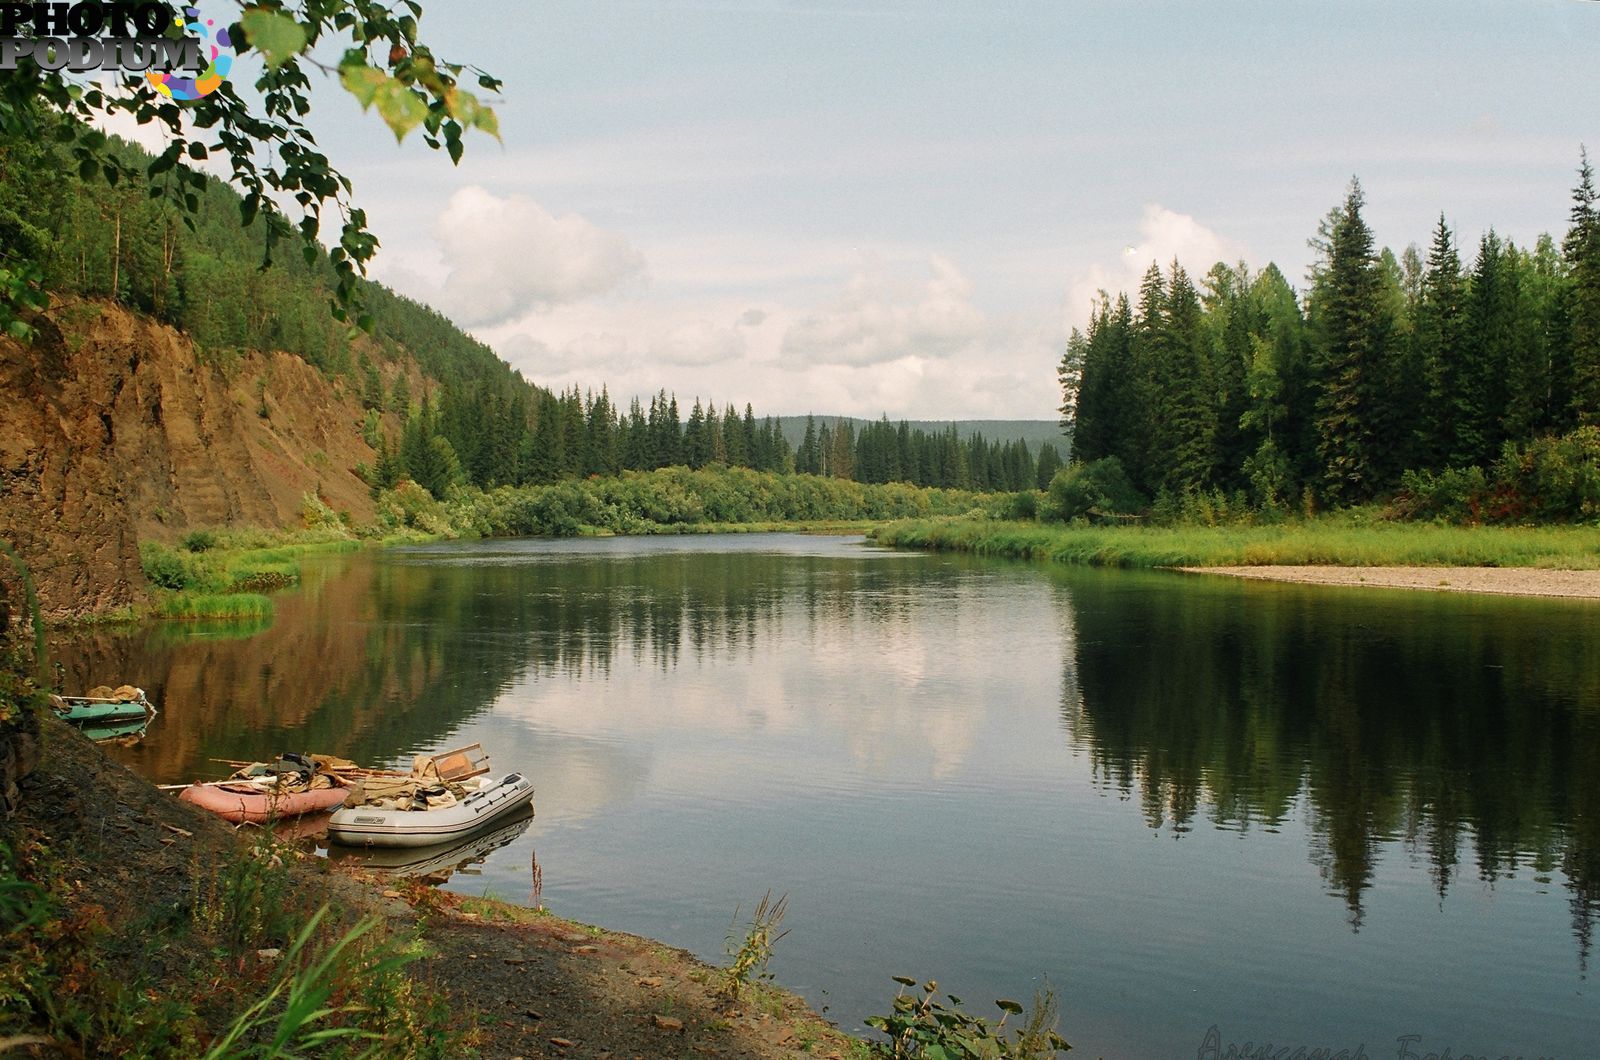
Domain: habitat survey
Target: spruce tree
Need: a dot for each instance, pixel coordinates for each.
(1438, 339)
(1185, 430)
(1581, 249)
(1350, 334)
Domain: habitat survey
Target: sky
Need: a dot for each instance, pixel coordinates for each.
(903, 206)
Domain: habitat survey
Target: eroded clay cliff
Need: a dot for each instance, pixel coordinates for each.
(114, 428)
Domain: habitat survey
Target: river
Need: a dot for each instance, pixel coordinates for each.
(1195, 806)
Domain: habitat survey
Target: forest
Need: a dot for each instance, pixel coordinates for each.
(477, 422)
(1441, 377)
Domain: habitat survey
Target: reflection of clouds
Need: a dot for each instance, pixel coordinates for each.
(575, 776)
(859, 683)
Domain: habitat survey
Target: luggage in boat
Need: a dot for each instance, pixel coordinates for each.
(261, 792)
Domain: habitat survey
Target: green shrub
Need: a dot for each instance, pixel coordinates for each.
(1097, 491)
(1553, 478)
(1454, 494)
(198, 541)
(925, 1027)
(165, 568)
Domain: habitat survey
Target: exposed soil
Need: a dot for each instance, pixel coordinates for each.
(533, 984)
(553, 988)
(115, 428)
(1509, 581)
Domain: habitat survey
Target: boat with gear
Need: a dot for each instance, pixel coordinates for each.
(428, 817)
(103, 706)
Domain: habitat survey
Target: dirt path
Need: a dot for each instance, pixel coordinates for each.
(1508, 581)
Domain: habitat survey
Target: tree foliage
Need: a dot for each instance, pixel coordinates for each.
(1385, 364)
(273, 159)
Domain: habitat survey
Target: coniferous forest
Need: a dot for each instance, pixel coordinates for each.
(1439, 375)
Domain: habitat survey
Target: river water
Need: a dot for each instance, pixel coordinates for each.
(1195, 806)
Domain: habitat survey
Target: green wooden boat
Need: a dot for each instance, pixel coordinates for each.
(97, 710)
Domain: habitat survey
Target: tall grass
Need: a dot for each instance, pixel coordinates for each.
(1328, 541)
(223, 573)
(197, 606)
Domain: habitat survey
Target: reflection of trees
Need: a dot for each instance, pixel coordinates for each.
(1446, 722)
(379, 655)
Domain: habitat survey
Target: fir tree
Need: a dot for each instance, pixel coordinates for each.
(1350, 336)
(1581, 249)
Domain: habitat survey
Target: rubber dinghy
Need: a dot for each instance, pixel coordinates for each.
(103, 706)
(269, 791)
(399, 823)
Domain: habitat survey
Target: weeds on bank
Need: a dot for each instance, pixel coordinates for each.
(751, 954)
(929, 1028)
(184, 978)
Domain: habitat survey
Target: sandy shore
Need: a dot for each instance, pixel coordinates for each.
(1507, 581)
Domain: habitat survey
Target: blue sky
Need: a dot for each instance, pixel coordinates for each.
(902, 207)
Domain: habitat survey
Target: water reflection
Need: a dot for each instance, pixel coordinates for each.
(733, 682)
(436, 863)
(1466, 727)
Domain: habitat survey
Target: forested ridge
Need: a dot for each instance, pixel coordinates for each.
(1388, 374)
(475, 421)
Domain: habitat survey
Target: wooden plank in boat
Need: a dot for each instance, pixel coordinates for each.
(462, 763)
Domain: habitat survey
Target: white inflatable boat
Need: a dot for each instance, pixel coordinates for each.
(493, 802)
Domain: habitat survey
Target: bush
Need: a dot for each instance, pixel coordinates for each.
(1099, 491)
(1554, 478)
(164, 567)
(1454, 494)
(198, 541)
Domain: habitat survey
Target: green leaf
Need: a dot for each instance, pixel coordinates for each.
(276, 36)
(485, 119)
(400, 108)
(1009, 1006)
(362, 81)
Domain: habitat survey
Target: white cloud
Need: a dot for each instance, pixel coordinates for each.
(881, 318)
(1164, 236)
(698, 342)
(508, 256)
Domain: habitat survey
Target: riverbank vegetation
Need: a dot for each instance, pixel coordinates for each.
(668, 500)
(1354, 538)
(226, 573)
(240, 951)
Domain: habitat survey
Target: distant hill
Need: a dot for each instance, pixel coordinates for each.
(1034, 432)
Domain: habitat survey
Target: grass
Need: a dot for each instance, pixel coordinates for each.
(224, 574)
(182, 976)
(751, 954)
(1348, 539)
(210, 606)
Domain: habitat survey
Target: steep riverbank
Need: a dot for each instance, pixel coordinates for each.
(152, 928)
(117, 429)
